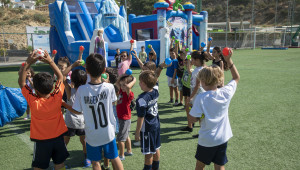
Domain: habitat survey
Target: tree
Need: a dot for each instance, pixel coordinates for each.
(5, 2)
(140, 7)
(39, 2)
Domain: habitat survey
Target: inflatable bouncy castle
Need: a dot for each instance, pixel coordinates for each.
(75, 23)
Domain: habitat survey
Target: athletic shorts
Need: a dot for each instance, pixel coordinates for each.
(186, 91)
(179, 84)
(123, 130)
(46, 149)
(73, 132)
(95, 153)
(175, 84)
(216, 154)
(150, 142)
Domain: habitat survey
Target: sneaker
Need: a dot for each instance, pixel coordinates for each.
(171, 101)
(103, 167)
(128, 153)
(196, 136)
(187, 129)
(122, 158)
(87, 163)
(25, 118)
(137, 143)
(178, 104)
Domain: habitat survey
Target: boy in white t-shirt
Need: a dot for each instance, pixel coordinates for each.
(215, 130)
(95, 99)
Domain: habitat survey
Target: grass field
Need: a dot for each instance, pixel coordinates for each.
(264, 116)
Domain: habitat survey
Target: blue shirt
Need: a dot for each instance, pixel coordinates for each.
(171, 69)
(146, 107)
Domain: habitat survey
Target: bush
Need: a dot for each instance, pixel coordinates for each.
(18, 10)
(39, 18)
(25, 17)
(14, 21)
(29, 49)
(2, 51)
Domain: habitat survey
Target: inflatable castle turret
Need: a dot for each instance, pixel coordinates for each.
(188, 8)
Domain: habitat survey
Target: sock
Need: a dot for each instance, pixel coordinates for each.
(147, 167)
(155, 165)
(176, 101)
(84, 155)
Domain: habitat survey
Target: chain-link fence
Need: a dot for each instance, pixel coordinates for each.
(14, 47)
(251, 39)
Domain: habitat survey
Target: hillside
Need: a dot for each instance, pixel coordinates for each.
(264, 12)
(16, 20)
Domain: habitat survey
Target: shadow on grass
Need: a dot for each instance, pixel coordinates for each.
(16, 127)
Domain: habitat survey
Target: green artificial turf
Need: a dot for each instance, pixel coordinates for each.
(264, 115)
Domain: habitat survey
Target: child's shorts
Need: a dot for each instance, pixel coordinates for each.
(73, 132)
(150, 142)
(179, 84)
(94, 153)
(175, 84)
(116, 117)
(186, 91)
(215, 154)
(124, 128)
(46, 149)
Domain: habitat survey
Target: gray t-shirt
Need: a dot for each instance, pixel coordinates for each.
(72, 120)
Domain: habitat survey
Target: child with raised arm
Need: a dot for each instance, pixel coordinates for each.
(125, 84)
(213, 105)
(125, 61)
(148, 125)
(172, 74)
(74, 122)
(47, 123)
(95, 99)
(152, 54)
(198, 59)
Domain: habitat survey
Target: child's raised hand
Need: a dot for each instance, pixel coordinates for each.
(229, 55)
(46, 59)
(77, 63)
(133, 52)
(32, 58)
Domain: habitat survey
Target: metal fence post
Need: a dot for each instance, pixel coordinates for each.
(254, 37)
(31, 42)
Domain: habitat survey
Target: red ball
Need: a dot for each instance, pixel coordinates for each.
(131, 41)
(81, 48)
(226, 51)
(54, 52)
(23, 64)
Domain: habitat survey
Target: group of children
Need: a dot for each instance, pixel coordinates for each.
(98, 105)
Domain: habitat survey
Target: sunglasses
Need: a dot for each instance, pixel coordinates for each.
(123, 56)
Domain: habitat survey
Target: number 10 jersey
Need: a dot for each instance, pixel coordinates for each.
(95, 101)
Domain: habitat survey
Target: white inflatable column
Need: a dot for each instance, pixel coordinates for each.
(203, 28)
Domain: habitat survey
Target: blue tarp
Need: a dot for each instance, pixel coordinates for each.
(12, 104)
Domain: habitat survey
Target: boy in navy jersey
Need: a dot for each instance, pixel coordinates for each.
(148, 125)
